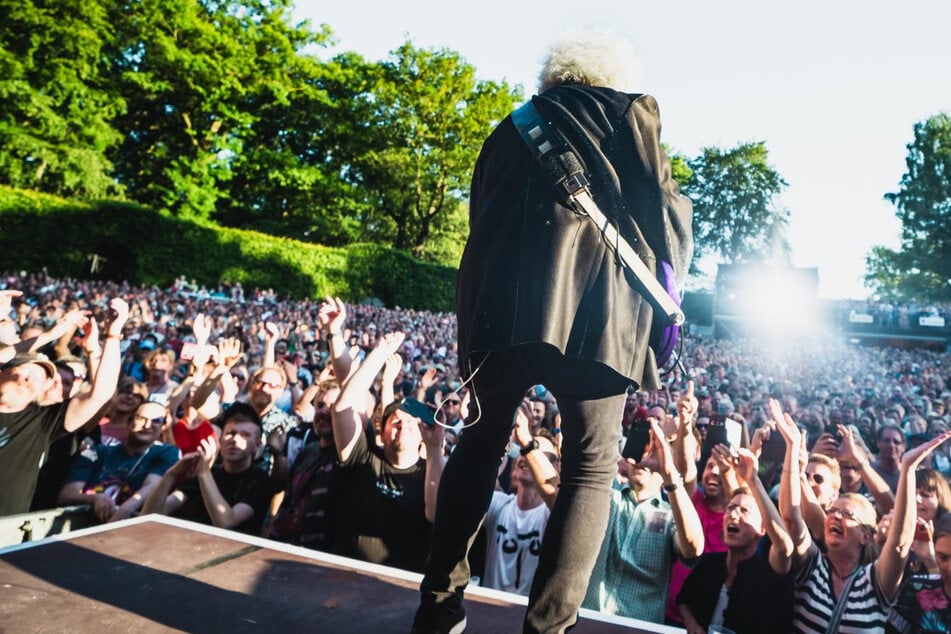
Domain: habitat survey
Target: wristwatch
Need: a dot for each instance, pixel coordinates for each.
(673, 486)
(532, 446)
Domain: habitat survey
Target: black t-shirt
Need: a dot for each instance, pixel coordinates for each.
(252, 486)
(382, 510)
(24, 439)
(758, 596)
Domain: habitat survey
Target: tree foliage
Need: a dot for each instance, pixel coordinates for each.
(421, 120)
(197, 75)
(734, 199)
(55, 108)
(921, 267)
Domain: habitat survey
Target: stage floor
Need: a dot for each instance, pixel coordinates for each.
(159, 574)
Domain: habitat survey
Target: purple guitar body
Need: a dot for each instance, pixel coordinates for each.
(664, 337)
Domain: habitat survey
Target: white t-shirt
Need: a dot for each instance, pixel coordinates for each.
(514, 541)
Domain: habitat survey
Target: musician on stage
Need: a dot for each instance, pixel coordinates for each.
(543, 298)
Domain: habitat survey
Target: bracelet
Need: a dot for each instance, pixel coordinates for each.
(529, 448)
(119, 337)
(673, 486)
(556, 430)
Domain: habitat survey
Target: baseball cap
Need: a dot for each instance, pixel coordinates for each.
(412, 407)
(23, 358)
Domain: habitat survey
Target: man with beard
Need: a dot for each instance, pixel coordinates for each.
(387, 494)
(232, 494)
(27, 428)
(742, 588)
(116, 479)
(890, 440)
(267, 386)
(306, 515)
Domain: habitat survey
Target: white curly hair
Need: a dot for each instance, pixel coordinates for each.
(591, 57)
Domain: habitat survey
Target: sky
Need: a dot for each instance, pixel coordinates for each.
(833, 88)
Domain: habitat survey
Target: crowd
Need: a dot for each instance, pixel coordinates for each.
(327, 425)
(887, 314)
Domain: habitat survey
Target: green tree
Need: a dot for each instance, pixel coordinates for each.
(197, 75)
(735, 212)
(55, 108)
(292, 178)
(420, 126)
(921, 267)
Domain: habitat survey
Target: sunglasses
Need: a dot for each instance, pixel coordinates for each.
(817, 477)
(266, 384)
(154, 422)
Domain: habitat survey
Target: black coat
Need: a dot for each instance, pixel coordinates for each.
(534, 271)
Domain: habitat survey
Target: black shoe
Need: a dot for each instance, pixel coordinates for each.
(434, 618)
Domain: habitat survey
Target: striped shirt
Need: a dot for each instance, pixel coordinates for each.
(814, 602)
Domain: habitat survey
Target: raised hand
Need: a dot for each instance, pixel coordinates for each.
(392, 367)
(687, 406)
(116, 317)
(661, 449)
(331, 315)
(208, 451)
(760, 436)
(913, 457)
(521, 430)
(229, 352)
(428, 378)
(272, 331)
(91, 337)
(746, 465)
(277, 440)
(202, 328)
(6, 302)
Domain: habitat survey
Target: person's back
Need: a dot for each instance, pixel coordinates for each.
(542, 299)
(535, 271)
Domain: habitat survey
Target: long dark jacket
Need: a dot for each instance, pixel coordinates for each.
(535, 271)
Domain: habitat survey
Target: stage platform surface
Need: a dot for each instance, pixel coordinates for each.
(159, 574)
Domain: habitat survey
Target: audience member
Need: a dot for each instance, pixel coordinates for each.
(116, 479)
(232, 494)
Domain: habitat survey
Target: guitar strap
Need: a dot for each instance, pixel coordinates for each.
(564, 170)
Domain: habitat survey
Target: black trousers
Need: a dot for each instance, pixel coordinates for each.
(591, 399)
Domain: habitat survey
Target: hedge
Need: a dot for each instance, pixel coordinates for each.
(141, 245)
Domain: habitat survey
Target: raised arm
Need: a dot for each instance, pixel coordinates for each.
(272, 334)
(850, 452)
(781, 549)
(891, 562)
(161, 499)
(812, 512)
(391, 370)
(690, 540)
(84, 406)
(685, 443)
(433, 437)
(790, 486)
(544, 474)
(330, 317)
(347, 423)
(222, 514)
